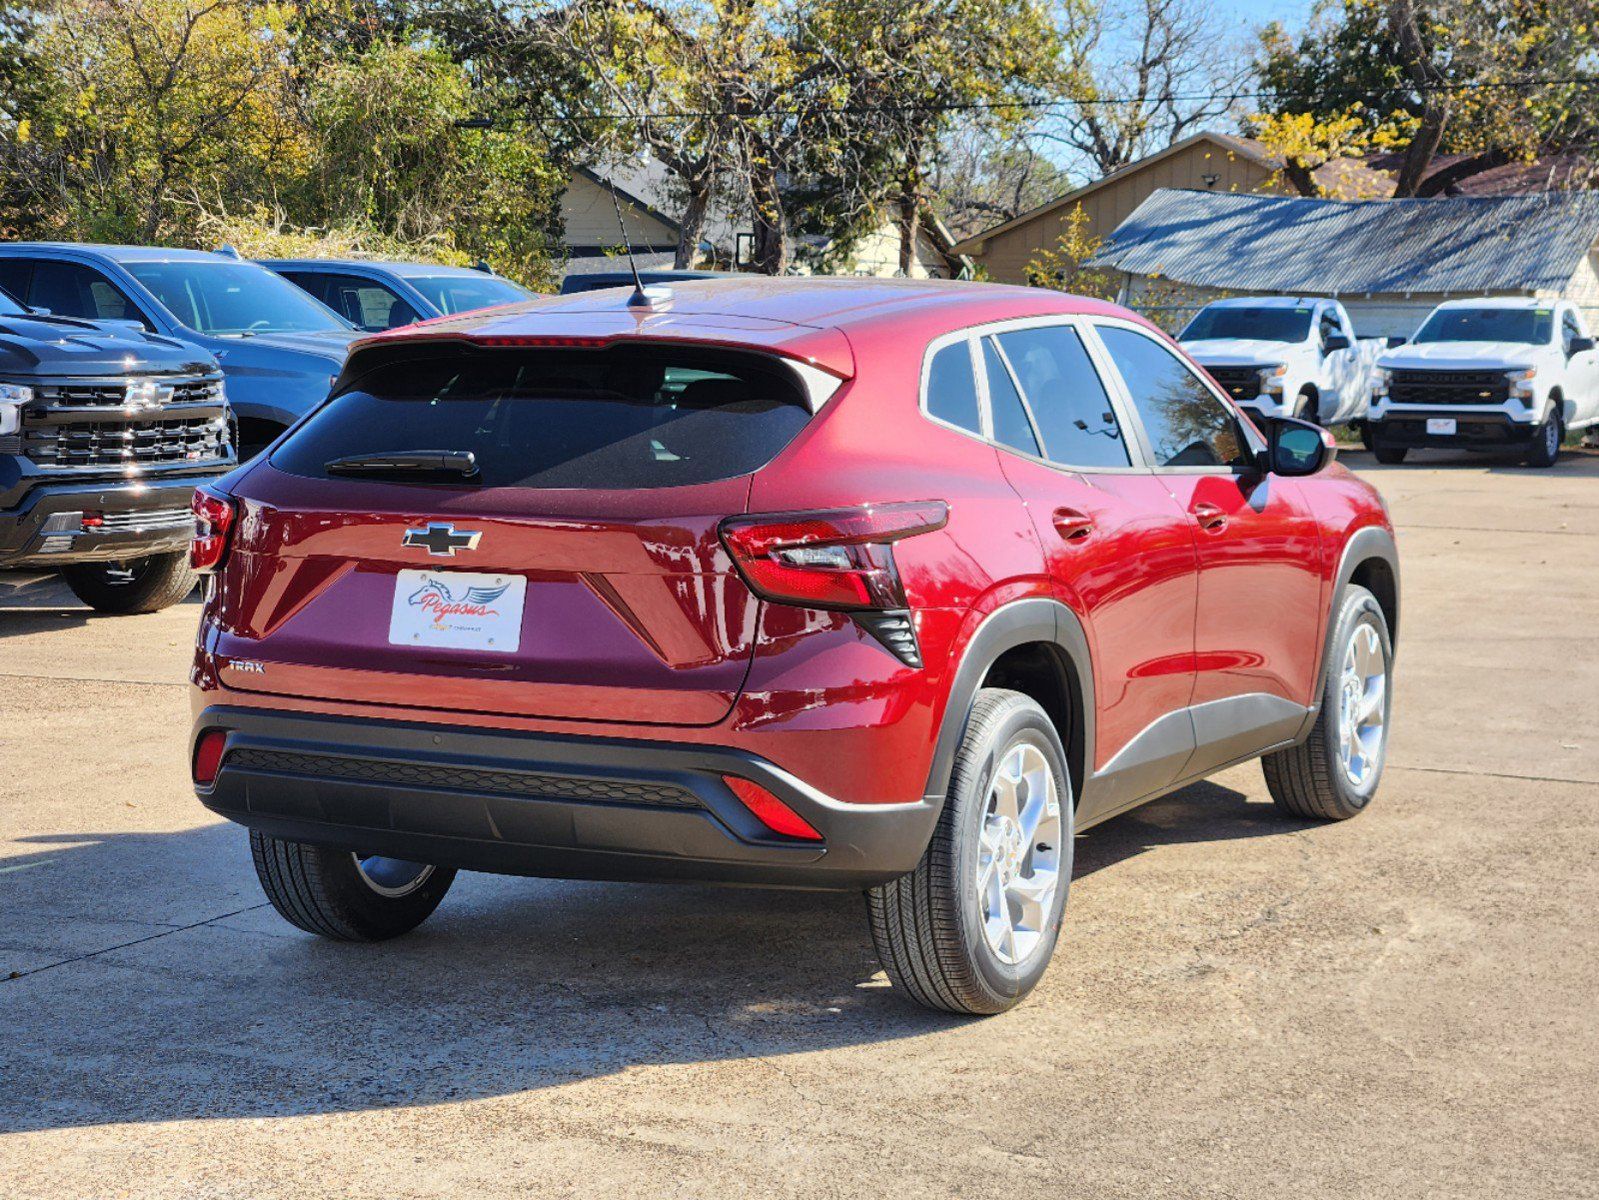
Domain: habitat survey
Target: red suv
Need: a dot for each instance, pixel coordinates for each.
(825, 583)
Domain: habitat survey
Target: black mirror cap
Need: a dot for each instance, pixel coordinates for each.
(1580, 344)
(1299, 448)
(1396, 339)
(1336, 341)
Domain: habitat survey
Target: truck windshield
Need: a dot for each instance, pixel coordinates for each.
(9, 306)
(1259, 324)
(233, 298)
(462, 293)
(1534, 326)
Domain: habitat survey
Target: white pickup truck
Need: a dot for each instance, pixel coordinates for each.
(1489, 375)
(1286, 356)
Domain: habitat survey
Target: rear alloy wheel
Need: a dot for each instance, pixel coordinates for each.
(1334, 773)
(973, 927)
(344, 896)
(140, 585)
(1546, 439)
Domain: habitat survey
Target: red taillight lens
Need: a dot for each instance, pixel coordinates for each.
(840, 559)
(770, 811)
(213, 522)
(208, 756)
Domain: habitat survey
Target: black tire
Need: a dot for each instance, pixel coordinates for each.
(143, 585)
(1367, 438)
(1546, 439)
(926, 926)
(1389, 456)
(321, 890)
(1309, 780)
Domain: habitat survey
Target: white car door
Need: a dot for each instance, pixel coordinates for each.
(1338, 365)
(1582, 369)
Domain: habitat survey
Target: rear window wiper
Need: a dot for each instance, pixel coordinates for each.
(406, 462)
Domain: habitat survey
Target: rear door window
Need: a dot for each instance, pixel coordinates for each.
(1011, 425)
(623, 417)
(1068, 401)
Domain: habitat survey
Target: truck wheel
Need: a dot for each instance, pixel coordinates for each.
(141, 585)
(1333, 774)
(344, 896)
(1546, 439)
(1367, 438)
(1390, 456)
(972, 928)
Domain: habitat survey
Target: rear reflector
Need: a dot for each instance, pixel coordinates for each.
(770, 811)
(208, 755)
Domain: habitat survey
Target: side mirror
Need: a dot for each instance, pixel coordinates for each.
(1299, 448)
(1397, 339)
(1581, 344)
(1336, 341)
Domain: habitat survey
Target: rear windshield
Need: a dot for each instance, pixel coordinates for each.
(634, 417)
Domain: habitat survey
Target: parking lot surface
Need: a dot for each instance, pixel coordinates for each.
(1241, 1005)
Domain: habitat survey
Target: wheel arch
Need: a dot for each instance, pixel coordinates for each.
(1036, 646)
(1370, 560)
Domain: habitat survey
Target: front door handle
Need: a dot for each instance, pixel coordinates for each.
(1210, 517)
(1073, 526)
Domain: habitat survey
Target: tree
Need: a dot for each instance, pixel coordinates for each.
(983, 176)
(1146, 74)
(1487, 82)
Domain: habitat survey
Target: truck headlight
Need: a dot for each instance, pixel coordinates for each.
(1381, 381)
(1521, 384)
(13, 397)
(1271, 378)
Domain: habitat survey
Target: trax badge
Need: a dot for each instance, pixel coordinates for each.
(441, 540)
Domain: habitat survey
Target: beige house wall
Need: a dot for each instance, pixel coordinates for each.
(878, 254)
(589, 219)
(1006, 255)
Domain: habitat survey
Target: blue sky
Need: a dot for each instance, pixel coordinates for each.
(1292, 13)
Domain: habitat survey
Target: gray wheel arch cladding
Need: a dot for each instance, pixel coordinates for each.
(1019, 623)
(1371, 544)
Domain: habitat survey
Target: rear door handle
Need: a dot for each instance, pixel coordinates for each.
(1073, 526)
(1210, 517)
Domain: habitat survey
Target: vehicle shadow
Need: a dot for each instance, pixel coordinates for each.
(154, 985)
(39, 602)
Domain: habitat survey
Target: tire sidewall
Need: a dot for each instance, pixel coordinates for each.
(1359, 607)
(1023, 720)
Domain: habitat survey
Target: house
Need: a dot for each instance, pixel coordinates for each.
(1389, 261)
(650, 200)
(1216, 162)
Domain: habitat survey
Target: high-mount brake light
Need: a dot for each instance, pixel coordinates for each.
(841, 559)
(541, 341)
(214, 515)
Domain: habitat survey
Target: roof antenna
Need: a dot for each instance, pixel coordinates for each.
(638, 299)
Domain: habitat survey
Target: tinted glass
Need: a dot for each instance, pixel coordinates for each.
(1531, 325)
(225, 297)
(1068, 400)
(1011, 426)
(14, 281)
(72, 290)
(462, 293)
(1187, 425)
(621, 418)
(951, 388)
(363, 302)
(1265, 324)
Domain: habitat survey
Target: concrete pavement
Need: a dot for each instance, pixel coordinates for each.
(1241, 1005)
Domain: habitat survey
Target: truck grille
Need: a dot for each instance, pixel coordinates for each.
(147, 519)
(138, 421)
(1449, 387)
(1241, 383)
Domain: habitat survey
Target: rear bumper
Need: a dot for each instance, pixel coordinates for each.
(564, 807)
(1490, 430)
(149, 517)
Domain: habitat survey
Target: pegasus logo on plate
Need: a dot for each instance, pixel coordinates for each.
(441, 540)
(438, 600)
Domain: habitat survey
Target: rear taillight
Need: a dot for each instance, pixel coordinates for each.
(770, 811)
(213, 525)
(208, 756)
(841, 559)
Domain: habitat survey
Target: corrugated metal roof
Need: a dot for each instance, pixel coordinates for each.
(1290, 244)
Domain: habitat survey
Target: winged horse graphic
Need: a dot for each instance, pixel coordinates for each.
(439, 600)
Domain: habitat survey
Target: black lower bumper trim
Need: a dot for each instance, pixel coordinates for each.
(46, 530)
(1474, 431)
(564, 807)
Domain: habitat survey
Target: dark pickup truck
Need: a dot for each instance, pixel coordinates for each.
(104, 432)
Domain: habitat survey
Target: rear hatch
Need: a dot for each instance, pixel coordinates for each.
(526, 532)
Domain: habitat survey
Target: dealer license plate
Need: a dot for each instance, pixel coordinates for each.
(458, 610)
(1443, 425)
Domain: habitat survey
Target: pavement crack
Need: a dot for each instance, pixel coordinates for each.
(12, 975)
(1497, 775)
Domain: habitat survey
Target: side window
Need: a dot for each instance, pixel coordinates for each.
(365, 303)
(1187, 425)
(14, 274)
(73, 290)
(1011, 425)
(1329, 325)
(1067, 398)
(952, 388)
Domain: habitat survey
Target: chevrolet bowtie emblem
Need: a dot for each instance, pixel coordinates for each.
(441, 540)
